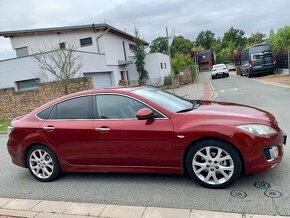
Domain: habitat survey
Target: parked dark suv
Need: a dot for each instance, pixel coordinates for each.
(258, 59)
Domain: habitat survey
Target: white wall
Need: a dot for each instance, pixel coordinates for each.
(114, 48)
(152, 65)
(28, 68)
(17, 69)
(110, 45)
(36, 43)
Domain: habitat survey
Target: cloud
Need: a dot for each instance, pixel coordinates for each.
(189, 17)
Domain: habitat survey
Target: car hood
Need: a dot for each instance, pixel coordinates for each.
(232, 110)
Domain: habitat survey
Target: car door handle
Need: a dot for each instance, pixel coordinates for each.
(103, 129)
(48, 128)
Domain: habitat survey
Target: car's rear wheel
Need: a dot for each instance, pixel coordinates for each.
(213, 163)
(42, 163)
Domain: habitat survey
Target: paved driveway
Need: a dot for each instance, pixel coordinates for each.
(169, 190)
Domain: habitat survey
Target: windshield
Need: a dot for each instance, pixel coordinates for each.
(166, 100)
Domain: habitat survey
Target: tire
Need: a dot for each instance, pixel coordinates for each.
(208, 166)
(43, 163)
(227, 75)
(249, 75)
(212, 77)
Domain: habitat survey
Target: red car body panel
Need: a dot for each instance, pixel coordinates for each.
(155, 146)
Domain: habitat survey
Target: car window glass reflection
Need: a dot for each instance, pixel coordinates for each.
(118, 107)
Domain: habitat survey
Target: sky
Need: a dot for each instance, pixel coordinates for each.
(151, 17)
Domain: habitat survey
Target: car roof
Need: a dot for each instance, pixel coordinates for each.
(121, 90)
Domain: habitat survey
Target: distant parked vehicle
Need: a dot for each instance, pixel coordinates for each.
(231, 67)
(219, 70)
(258, 59)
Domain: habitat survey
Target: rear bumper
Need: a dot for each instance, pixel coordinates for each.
(264, 69)
(220, 74)
(15, 151)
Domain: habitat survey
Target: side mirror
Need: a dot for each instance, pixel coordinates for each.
(145, 114)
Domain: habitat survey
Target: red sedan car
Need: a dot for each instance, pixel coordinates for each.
(145, 130)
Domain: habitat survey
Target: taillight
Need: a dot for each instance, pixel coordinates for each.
(225, 68)
(250, 64)
(213, 70)
(10, 129)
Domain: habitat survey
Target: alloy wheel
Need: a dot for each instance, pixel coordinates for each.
(213, 165)
(41, 164)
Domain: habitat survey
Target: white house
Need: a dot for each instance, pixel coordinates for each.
(106, 54)
(158, 66)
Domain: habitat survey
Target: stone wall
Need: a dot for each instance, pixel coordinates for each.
(185, 76)
(16, 103)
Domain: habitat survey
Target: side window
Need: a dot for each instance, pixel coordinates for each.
(44, 114)
(76, 108)
(119, 107)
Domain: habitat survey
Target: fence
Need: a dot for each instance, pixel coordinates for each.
(282, 61)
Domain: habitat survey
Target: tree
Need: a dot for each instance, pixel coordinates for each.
(256, 38)
(180, 45)
(181, 60)
(235, 37)
(59, 64)
(140, 57)
(159, 45)
(281, 40)
(205, 39)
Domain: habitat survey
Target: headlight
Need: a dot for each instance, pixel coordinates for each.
(258, 129)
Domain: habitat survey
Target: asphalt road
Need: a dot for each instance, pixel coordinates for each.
(169, 190)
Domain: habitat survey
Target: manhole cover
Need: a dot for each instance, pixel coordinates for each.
(262, 185)
(238, 194)
(272, 194)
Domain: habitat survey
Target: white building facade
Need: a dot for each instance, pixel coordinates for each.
(158, 67)
(105, 52)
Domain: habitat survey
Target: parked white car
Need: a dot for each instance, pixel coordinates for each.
(219, 70)
(231, 67)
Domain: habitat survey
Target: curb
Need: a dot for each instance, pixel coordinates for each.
(213, 92)
(38, 209)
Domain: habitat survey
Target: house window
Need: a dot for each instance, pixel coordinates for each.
(132, 47)
(86, 41)
(165, 65)
(161, 65)
(21, 52)
(27, 84)
(62, 45)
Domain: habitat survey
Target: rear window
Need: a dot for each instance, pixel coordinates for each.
(218, 66)
(260, 49)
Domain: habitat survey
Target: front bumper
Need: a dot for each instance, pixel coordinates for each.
(253, 149)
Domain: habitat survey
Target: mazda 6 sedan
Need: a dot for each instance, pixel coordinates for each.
(145, 130)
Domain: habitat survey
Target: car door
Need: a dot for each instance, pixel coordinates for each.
(123, 140)
(69, 131)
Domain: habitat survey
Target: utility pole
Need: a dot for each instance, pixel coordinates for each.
(170, 68)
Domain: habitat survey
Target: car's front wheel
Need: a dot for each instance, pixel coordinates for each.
(213, 163)
(42, 163)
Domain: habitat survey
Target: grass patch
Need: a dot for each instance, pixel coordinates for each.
(4, 125)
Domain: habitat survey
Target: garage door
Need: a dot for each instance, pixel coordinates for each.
(101, 80)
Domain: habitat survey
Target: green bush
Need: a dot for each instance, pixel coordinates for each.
(193, 71)
(167, 81)
(4, 125)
